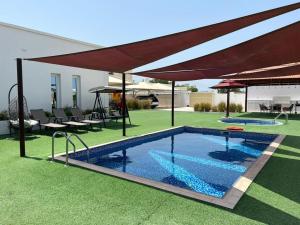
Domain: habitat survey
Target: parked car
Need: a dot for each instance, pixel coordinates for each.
(152, 98)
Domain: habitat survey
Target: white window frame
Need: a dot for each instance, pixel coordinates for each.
(78, 90)
(58, 89)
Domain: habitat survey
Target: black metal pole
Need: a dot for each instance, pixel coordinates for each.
(21, 107)
(246, 99)
(173, 102)
(228, 102)
(123, 103)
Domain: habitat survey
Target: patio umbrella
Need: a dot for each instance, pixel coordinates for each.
(228, 85)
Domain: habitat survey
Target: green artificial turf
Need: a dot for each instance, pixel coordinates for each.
(36, 191)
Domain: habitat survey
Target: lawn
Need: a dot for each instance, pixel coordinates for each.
(35, 191)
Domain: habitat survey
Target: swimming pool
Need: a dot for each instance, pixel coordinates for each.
(250, 121)
(199, 163)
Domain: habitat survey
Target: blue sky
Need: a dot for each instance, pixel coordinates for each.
(114, 22)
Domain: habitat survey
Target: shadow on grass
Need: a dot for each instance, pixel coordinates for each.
(259, 211)
(291, 141)
(118, 125)
(34, 158)
(15, 137)
(278, 176)
(281, 174)
(50, 133)
(267, 115)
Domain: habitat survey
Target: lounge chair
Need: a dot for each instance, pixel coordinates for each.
(288, 109)
(61, 117)
(79, 117)
(44, 121)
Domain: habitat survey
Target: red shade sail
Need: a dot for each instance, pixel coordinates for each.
(277, 71)
(271, 81)
(129, 56)
(275, 48)
(228, 84)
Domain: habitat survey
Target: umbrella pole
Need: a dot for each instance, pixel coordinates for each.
(228, 102)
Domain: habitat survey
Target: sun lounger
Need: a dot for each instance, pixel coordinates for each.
(61, 117)
(44, 121)
(79, 117)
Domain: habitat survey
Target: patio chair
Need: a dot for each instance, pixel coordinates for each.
(62, 118)
(263, 108)
(288, 109)
(44, 121)
(79, 117)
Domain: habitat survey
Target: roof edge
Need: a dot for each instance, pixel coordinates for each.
(9, 25)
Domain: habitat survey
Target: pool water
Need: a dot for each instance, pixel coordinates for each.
(201, 160)
(251, 121)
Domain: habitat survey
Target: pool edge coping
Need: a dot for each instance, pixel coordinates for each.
(230, 199)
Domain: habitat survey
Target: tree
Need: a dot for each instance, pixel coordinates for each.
(159, 81)
(235, 90)
(191, 88)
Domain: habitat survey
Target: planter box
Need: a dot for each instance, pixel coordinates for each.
(4, 127)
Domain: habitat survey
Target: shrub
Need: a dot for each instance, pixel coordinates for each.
(214, 108)
(196, 107)
(48, 114)
(232, 107)
(206, 107)
(202, 107)
(67, 110)
(221, 107)
(144, 104)
(135, 104)
(130, 103)
(87, 112)
(3, 115)
(239, 108)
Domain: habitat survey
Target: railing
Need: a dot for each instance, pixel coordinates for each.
(67, 146)
(281, 114)
(68, 140)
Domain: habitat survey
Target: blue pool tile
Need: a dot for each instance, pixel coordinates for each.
(203, 160)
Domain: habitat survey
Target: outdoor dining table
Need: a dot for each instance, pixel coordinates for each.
(275, 107)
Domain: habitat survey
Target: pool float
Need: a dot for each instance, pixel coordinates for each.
(234, 128)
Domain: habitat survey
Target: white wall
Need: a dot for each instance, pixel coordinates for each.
(265, 95)
(268, 92)
(237, 98)
(181, 99)
(16, 42)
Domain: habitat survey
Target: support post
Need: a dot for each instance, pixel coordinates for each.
(246, 99)
(228, 102)
(124, 103)
(173, 102)
(21, 107)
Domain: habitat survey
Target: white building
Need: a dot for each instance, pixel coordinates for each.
(40, 78)
(268, 95)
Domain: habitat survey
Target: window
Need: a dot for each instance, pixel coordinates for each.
(76, 91)
(55, 91)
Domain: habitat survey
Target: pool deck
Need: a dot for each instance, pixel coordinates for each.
(231, 197)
